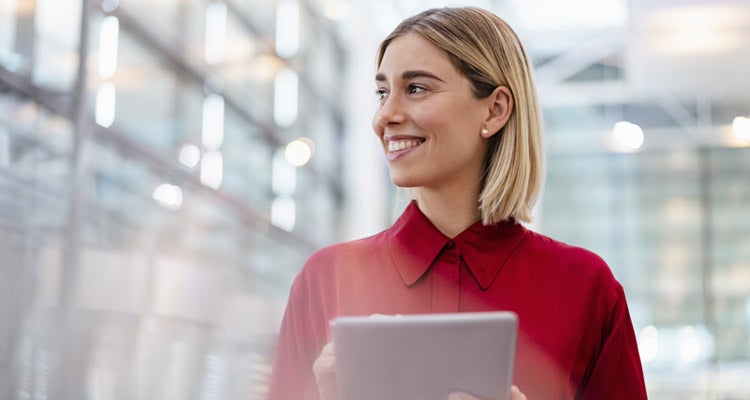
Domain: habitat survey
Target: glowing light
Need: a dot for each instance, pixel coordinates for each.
(55, 60)
(283, 213)
(691, 347)
(627, 136)
(648, 344)
(335, 10)
(697, 30)
(287, 28)
(216, 32)
(299, 152)
(285, 97)
(741, 128)
(168, 195)
(190, 155)
(8, 7)
(557, 15)
(212, 169)
(284, 175)
(213, 122)
(109, 33)
(106, 99)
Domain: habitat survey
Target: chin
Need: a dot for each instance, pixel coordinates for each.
(404, 181)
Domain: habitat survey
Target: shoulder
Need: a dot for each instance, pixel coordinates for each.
(546, 247)
(575, 273)
(571, 262)
(332, 262)
(344, 251)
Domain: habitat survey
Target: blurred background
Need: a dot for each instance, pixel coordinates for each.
(166, 167)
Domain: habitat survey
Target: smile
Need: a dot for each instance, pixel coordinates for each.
(403, 144)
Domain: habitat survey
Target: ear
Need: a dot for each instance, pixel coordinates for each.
(501, 107)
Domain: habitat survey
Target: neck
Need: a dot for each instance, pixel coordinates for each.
(451, 214)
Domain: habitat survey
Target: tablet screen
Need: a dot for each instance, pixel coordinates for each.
(425, 356)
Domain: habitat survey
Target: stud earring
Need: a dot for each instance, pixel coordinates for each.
(485, 132)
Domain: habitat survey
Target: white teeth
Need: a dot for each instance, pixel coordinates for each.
(398, 145)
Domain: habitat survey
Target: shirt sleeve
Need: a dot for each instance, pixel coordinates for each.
(298, 346)
(617, 372)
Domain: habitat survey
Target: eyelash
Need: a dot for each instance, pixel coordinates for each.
(412, 89)
(381, 94)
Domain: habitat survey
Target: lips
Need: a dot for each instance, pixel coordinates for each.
(397, 144)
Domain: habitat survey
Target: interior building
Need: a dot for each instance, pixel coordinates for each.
(167, 166)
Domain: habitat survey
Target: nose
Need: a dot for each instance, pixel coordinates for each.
(390, 112)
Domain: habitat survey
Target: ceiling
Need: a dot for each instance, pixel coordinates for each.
(677, 68)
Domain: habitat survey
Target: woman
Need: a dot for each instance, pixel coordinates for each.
(460, 125)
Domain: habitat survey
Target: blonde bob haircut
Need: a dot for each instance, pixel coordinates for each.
(486, 51)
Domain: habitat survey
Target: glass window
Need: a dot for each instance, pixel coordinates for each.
(34, 142)
(673, 226)
(8, 33)
(56, 41)
(154, 105)
(247, 159)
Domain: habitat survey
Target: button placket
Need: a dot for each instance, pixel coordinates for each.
(445, 280)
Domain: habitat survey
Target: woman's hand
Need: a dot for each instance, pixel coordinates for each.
(324, 369)
(515, 394)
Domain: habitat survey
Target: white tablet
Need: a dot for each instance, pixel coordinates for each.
(425, 356)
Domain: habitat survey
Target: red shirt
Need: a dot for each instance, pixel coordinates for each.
(575, 339)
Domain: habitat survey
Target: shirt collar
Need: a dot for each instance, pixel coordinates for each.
(414, 243)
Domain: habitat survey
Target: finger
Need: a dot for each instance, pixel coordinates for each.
(324, 366)
(327, 350)
(324, 369)
(515, 393)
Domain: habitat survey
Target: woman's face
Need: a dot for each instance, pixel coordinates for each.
(428, 121)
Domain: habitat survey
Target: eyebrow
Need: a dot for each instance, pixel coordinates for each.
(410, 75)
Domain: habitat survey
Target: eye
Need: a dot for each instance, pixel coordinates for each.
(381, 94)
(414, 89)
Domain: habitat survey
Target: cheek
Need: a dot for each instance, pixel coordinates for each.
(446, 126)
(431, 119)
(376, 127)
(446, 114)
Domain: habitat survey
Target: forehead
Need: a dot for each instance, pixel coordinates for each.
(413, 51)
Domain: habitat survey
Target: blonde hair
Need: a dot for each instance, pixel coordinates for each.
(487, 51)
